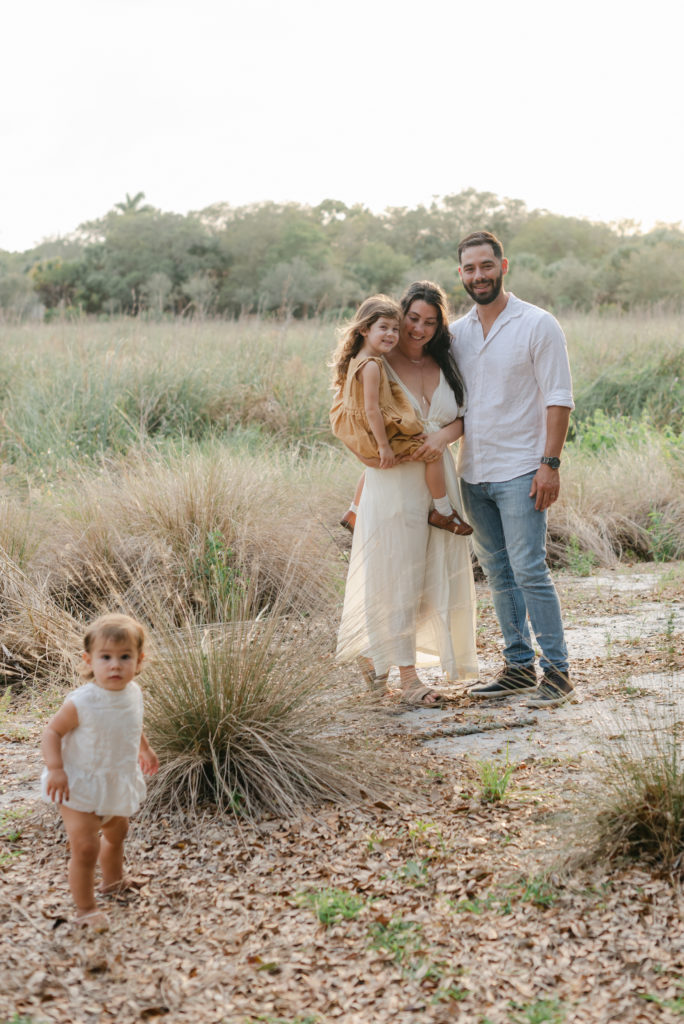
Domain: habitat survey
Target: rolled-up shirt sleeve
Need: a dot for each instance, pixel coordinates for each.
(551, 364)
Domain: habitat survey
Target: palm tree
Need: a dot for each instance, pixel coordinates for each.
(131, 204)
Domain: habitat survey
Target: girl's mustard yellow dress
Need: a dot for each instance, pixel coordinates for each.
(348, 415)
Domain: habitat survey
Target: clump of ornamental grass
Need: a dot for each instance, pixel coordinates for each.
(635, 811)
(247, 717)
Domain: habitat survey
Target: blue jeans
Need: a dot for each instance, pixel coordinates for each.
(509, 538)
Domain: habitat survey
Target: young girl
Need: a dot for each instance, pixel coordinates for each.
(94, 749)
(370, 413)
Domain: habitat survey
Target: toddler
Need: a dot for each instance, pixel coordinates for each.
(95, 751)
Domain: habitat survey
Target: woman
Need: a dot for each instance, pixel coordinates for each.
(410, 586)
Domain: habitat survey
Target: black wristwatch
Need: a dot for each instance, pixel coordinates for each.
(550, 460)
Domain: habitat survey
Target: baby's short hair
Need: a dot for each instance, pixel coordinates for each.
(115, 627)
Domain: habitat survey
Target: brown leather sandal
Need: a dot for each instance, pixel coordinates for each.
(452, 523)
(417, 695)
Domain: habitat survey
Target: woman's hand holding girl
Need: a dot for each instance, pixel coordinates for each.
(432, 448)
(436, 444)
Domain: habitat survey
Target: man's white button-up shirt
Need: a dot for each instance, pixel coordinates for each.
(511, 377)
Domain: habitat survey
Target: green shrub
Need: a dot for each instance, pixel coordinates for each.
(633, 390)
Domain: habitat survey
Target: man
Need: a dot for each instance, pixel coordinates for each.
(514, 361)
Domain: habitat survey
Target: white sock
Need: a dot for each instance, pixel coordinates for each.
(353, 507)
(443, 505)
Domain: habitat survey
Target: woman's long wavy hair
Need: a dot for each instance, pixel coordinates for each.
(351, 336)
(439, 346)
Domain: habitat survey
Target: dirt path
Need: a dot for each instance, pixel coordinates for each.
(458, 909)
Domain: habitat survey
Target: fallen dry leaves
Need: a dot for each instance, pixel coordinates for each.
(465, 912)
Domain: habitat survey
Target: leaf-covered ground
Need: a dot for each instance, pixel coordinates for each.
(436, 906)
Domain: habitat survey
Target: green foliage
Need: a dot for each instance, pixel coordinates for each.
(10, 833)
(400, 938)
(543, 1011)
(5, 703)
(292, 259)
(415, 872)
(477, 905)
(633, 396)
(222, 584)
(539, 891)
(578, 561)
(666, 540)
(448, 993)
(494, 780)
(676, 1004)
(600, 432)
(333, 905)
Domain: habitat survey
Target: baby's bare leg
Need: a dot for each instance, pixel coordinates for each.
(434, 478)
(84, 844)
(111, 858)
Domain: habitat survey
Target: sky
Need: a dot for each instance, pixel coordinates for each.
(574, 108)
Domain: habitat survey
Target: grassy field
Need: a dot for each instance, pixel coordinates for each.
(87, 399)
(182, 459)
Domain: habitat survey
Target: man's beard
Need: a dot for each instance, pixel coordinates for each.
(484, 298)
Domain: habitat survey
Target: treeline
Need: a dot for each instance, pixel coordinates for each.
(301, 261)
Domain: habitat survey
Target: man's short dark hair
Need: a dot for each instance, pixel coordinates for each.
(481, 238)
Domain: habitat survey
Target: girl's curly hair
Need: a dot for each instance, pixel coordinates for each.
(351, 336)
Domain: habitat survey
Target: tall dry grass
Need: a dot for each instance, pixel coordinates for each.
(184, 473)
(628, 364)
(194, 530)
(623, 501)
(72, 392)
